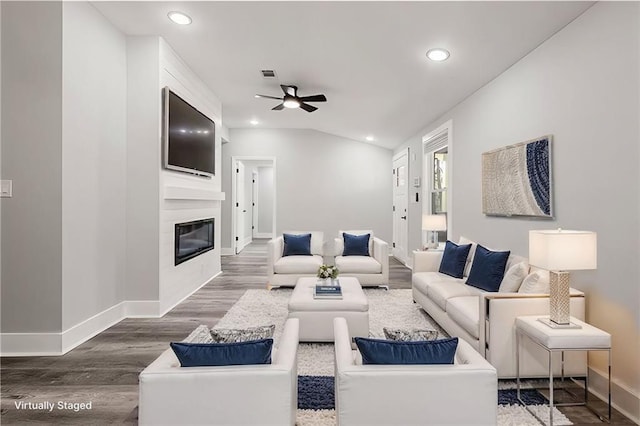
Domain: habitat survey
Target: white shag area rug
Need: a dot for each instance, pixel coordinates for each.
(387, 308)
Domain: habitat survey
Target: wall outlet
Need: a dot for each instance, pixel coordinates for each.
(6, 188)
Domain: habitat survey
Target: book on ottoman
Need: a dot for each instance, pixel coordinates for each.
(327, 292)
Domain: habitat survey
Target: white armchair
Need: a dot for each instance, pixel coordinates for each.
(371, 271)
(285, 271)
(421, 394)
(265, 394)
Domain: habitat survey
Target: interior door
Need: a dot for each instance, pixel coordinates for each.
(254, 205)
(400, 205)
(240, 207)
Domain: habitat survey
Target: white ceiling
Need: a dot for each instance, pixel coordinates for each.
(368, 58)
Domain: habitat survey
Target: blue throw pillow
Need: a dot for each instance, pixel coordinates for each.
(216, 354)
(487, 269)
(376, 351)
(454, 259)
(297, 245)
(356, 245)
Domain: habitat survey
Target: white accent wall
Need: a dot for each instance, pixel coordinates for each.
(324, 182)
(581, 86)
(178, 282)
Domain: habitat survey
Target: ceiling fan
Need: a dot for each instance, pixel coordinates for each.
(292, 100)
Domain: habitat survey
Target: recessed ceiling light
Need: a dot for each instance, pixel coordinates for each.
(254, 122)
(438, 54)
(369, 138)
(179, 18)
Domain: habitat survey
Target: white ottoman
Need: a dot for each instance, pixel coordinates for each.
(316, 315)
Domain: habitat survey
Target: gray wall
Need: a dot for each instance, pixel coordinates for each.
(93, 163)
(31, 156)
(143, 159)
(323, 182)
(582, 87)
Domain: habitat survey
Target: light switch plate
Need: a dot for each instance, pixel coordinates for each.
(6, 188)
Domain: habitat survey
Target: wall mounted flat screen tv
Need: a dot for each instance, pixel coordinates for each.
(189, 137)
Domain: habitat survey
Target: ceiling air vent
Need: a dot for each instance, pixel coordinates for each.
(268, 73)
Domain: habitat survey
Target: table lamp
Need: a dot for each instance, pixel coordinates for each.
(560, 251)
(432, 223)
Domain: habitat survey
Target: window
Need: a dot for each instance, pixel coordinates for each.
(437, 171)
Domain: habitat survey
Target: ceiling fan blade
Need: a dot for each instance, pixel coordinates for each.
(313, 98)
(307, 107)
(289, 90)
(268, 97)
(278, 107)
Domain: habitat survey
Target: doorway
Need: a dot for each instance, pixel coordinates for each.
(253, 200)
(400, 205)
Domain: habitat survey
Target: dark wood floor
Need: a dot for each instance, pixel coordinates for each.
(104, 370)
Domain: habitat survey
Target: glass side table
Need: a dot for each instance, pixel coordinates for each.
(580, 337)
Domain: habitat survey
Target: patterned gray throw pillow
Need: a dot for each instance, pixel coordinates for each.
(409, 335)
(231, 335)
(201, 334)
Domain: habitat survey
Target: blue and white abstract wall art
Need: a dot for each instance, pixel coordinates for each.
(516, 180)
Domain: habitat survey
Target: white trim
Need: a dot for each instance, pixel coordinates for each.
(226, 251)
(55, 344)
(188, 295)
(264, 235)
(85, 330)
(623, 398)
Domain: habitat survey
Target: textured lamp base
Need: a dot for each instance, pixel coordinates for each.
(432, 240)
(559, 297)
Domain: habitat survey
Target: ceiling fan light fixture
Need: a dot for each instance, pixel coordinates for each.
(179, 17)
(438, 54)
(291, 102)
(254, 122)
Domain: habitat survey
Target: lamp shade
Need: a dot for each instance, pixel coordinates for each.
(434, 222)
(562, 250)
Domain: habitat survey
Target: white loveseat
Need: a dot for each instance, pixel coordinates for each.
(465, 393)
(370, 270)
(265, 394)
(486, 319)
(284, 271)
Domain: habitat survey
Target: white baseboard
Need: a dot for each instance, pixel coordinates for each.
(623, 399)
(176, 303)
(263, 235)
(55, 344)
(80, 333)
(227, 251)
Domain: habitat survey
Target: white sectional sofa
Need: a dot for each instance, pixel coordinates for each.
(486, 319)
(284, 271)
(464, 393)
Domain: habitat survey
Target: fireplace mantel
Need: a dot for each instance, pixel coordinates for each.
(185, 193)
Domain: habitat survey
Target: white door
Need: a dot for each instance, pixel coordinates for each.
(400, 205)
(254, 205)
(240, 208)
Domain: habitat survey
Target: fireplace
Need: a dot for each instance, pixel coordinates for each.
(192, 239)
